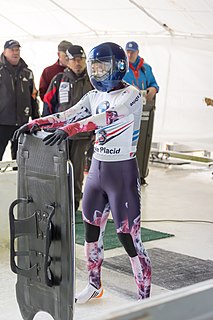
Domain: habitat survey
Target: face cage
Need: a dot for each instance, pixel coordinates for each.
(100, 70)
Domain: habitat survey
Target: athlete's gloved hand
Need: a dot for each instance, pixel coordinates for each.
(23, 129)
(69, 130)
(61, 134)
(26, 128)
(35, 128)
(57, 137)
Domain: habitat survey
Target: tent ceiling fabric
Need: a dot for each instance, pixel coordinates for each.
(174, 37)
(41, 19)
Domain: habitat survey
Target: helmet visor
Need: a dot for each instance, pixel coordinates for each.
(100, 70)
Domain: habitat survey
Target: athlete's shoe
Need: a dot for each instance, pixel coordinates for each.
(88, 293)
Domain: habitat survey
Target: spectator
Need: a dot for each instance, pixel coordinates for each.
(59, 66)
(65, 90)
(18, 95)
(140, 75)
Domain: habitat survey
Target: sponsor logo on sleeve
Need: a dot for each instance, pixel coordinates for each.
(135, 100)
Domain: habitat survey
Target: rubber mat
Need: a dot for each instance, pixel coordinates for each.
(170, 270)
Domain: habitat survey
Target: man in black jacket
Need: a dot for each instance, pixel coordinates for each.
(64, 91)
(18, 95)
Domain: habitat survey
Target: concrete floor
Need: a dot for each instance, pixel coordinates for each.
(176, 194)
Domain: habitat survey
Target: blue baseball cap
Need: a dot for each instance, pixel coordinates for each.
(11, 44)
(132, 46)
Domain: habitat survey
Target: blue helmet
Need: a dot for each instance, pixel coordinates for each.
(107, 65)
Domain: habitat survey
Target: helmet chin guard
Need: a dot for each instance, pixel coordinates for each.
(107, 65)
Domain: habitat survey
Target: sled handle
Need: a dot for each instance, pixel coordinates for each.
(15, 231)
(48, 280)
(29, 226)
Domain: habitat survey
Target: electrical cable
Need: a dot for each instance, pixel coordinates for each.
(177, 220)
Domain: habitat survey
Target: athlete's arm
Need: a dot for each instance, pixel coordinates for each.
(128, 102)
(79, 111)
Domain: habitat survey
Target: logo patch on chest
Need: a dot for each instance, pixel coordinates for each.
(102, 107)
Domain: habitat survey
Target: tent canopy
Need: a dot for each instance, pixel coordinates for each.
(175, 38)
(40, 19)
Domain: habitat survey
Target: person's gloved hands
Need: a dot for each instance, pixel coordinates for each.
(68, 131)
(57, 137)
(62, 133)
(26, 128)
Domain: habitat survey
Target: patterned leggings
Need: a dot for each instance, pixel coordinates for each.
(115, 186)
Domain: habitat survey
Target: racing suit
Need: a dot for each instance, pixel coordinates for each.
(113, 180)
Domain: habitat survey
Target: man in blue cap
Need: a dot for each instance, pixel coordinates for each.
(140, 73)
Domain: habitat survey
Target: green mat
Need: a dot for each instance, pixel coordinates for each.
(110, 238)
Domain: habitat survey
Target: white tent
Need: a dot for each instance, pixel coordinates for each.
(175, 38)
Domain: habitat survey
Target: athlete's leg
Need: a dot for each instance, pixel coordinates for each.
(95, 214)
(140, 262)
(124, 199)
(91, 253)
(104, 219)
(94, 248)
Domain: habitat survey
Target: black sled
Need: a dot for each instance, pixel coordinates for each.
(42, 230)
(145, 139)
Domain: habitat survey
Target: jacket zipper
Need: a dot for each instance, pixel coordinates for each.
(12, 82)
(22, 88)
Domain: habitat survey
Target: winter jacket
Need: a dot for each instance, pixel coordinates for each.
(140, 75)
(65, 90)
(17, 93)
(46, 77)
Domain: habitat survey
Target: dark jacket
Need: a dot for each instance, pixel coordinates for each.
(64, 91)
(17, 93)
